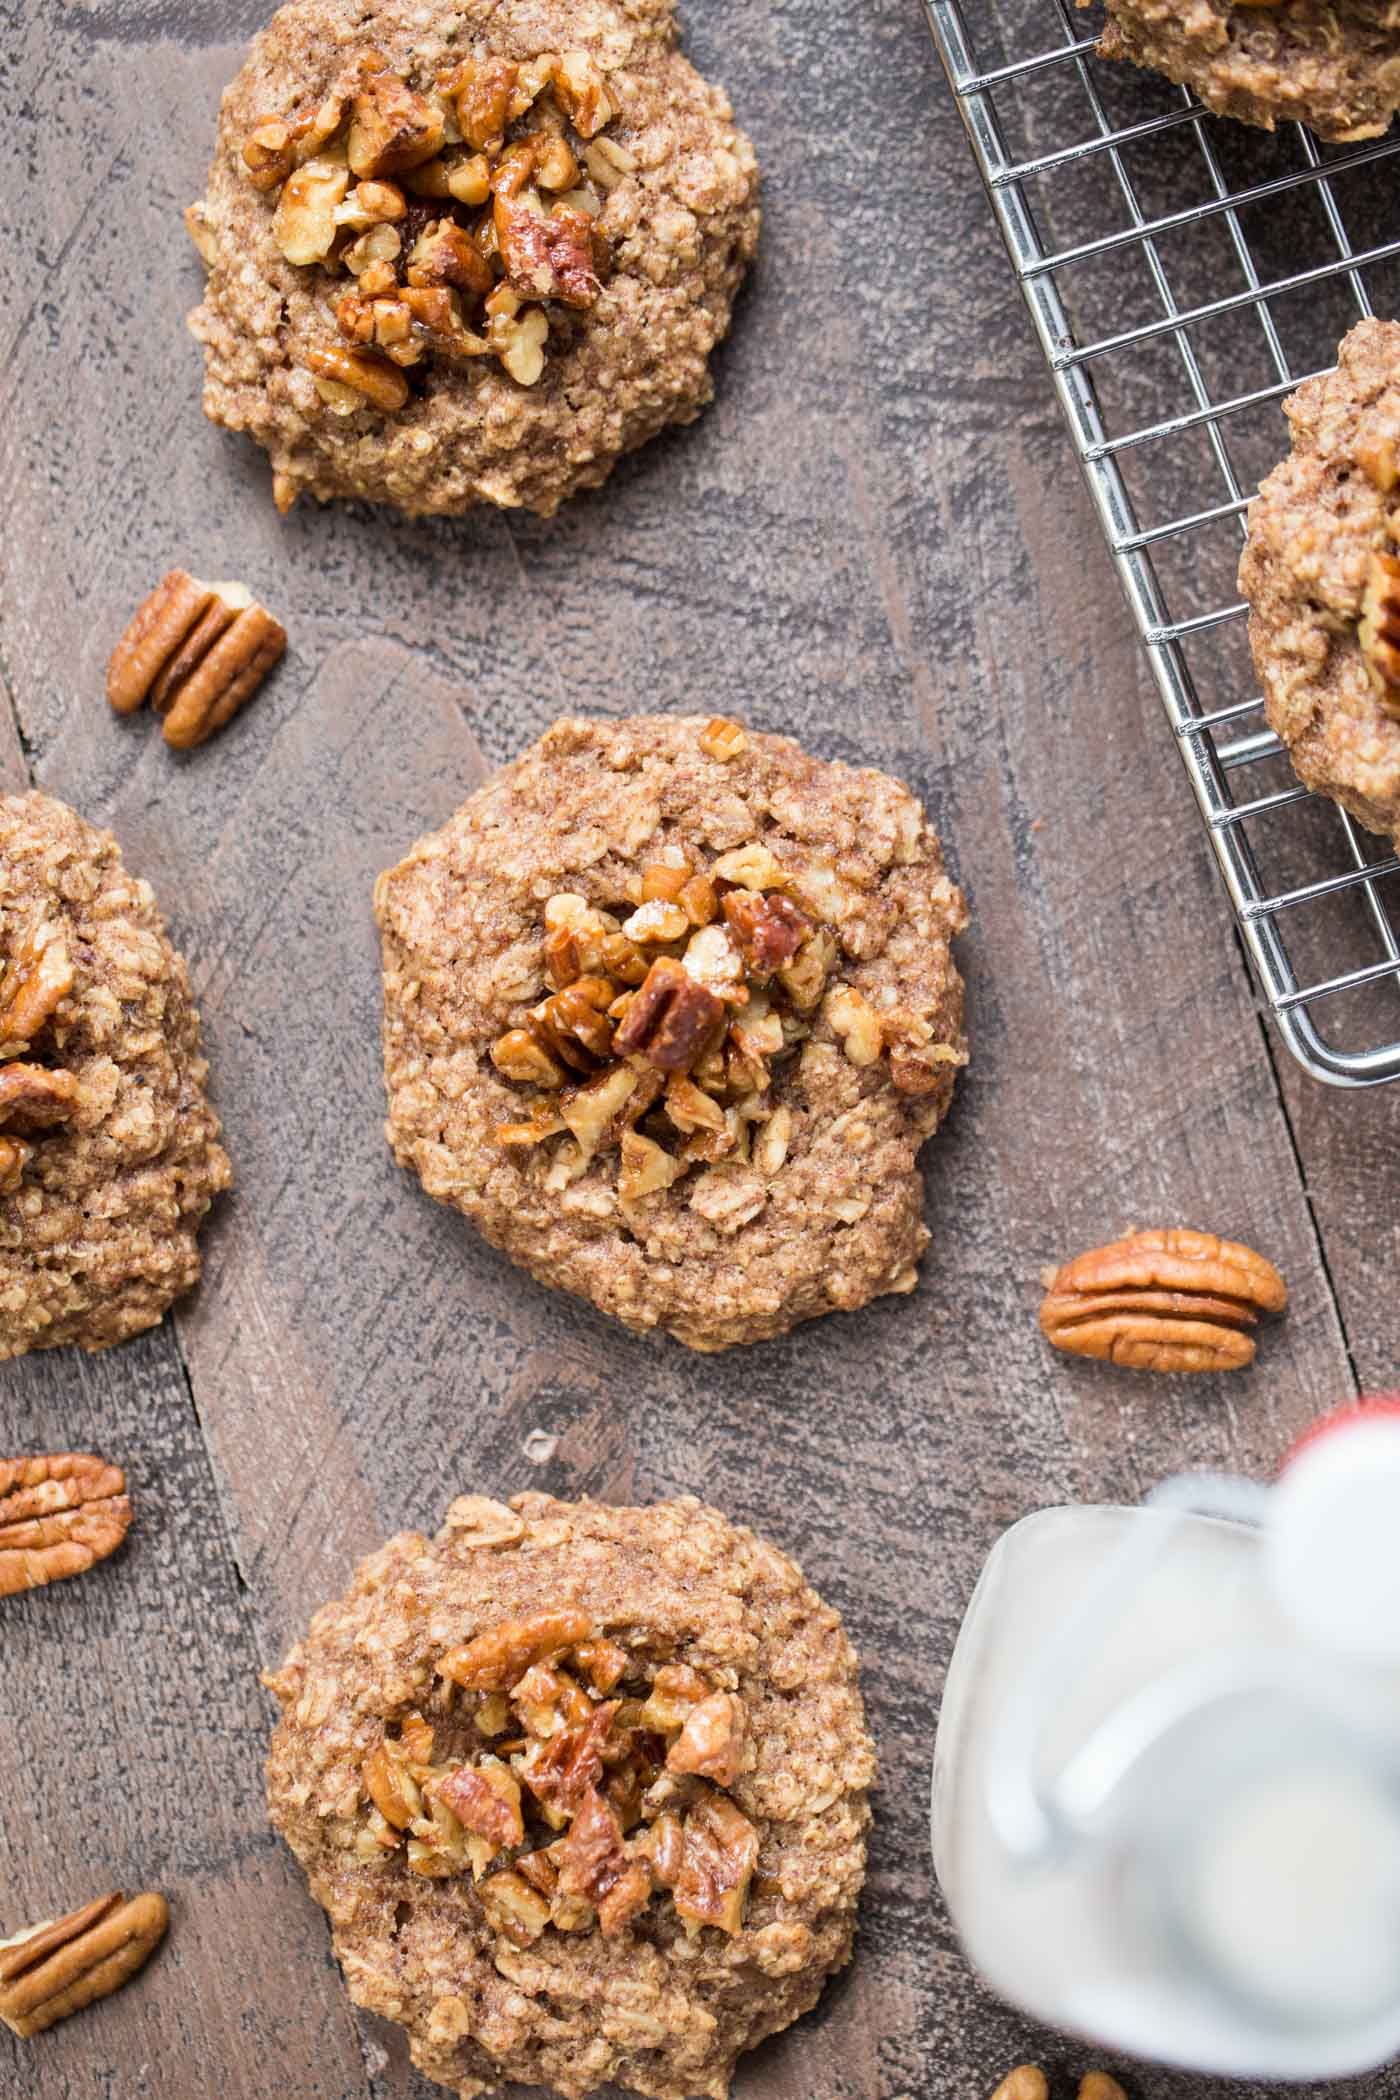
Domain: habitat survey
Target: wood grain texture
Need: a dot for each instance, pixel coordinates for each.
(873, 541)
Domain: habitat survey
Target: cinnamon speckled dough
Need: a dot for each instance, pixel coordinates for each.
(1312, 529)
(100, 1236)
(651, 2009)
(586, 810)
(683, 228)
(1332, 64)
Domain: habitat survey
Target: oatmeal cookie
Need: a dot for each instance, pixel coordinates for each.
(1331, 64)
(108, 1148)
(582, 1791)
(1321, 571)
(669, 1010)
(469, 252)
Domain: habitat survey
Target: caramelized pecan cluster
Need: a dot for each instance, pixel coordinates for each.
(589, 1785)
(459, 214)
(661, 1029)
(34, 982)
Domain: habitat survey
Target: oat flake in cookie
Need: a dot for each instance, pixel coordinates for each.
(467, 253)
(1321, 571)
(1331, 64)
(108, 1148)
(582, 1790)
(669, 1010)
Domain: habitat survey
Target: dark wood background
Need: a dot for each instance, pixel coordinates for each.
(875, 540)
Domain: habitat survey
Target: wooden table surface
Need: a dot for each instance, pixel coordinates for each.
(876, 540)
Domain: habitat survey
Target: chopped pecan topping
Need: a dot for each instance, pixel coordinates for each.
(517, 226)
(197, 651)
(33, 985)
(722, 739)
(499, 1658)
(391, 1787)
(594, 1864)
(719, 1851)
(485, 1800)
(711, 1742)
(33, 1098)
(670, 1020)
(559, 1772)
(1379, 631)
(767, 930)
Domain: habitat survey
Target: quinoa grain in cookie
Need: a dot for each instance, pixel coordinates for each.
(1333, 65)
(582, 1790)
(108, 1148)
(1321, 572)
(469, 252)
(670, 1007)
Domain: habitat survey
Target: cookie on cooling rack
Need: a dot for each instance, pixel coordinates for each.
(669, 1010)
(467, 252)
(1333, 65)
(1321, 572)
(583, 1791)
(108, 1148)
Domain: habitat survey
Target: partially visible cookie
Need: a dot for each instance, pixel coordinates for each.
(109, 1153)
(582, 1790)
(1321, 571)
(669, 1008)
(467, 252)
(1334, 65)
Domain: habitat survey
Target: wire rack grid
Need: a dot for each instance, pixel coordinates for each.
(1184, 274)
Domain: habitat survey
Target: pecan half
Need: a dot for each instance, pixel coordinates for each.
(56, 1969)
(499, 1658)
(719, 1851)
(37, 979)
(1170, 1300)
(1379, 632)
(59, 1516)
(196, 651)
(670, 1020)
(1026, 2082)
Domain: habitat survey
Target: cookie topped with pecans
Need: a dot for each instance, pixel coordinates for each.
(670, 1007)
(583, 1791)
(109, 1153)
(1321, 572)
(467, 255)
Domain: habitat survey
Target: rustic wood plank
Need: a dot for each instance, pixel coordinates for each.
(873, 541)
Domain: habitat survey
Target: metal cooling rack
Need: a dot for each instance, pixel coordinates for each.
(1183, 274)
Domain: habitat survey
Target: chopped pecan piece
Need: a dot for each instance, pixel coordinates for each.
(712, 1740)
(767, 930)
(482, 89)
(573, 1025)
(445, 254)
(722, 739)
(305, 222)
(57, 1969)
(33, 1098)
(521, 1056)
(361, 371)
(581, 92)
(560, 1771)
(513, 1908)
(602, 1663)
(499, 1658)
(14, 1158)
(675, 1690)
(855, 1022)
(718, 1855)
(485, 1799)
(1379, 632)
(594, 1865)
(391, 127)
(671, 1020)
(35, 982)
(391, 1788)
(59, 1516)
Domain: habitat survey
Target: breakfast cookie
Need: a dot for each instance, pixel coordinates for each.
(108, 1148)
(470, 251)
(1331, 64)
(582, 1791)
(1321, 571)
(669, 1010)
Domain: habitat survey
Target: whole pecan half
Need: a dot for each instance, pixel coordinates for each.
(58, 1516)
(1171, 1300)
(56, 1969)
